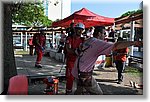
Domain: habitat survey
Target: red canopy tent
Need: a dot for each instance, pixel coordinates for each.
(86, 17)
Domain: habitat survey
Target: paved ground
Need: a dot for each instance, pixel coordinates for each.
(105, 77)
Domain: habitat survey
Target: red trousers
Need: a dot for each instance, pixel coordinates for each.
(39, 56)
(69, 75)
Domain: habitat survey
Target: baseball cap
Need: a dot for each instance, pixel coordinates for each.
(80, 25)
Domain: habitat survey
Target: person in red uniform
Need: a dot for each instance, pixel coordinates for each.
(39, 40)
(30, 46)
(120, 57)
(72, 43)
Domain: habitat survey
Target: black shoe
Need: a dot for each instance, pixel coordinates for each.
(38, 66)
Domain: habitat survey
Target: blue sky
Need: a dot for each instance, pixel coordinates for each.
(108, 8)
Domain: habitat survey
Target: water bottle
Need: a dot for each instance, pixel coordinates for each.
(43, 49)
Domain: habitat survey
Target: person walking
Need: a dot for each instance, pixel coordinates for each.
(72, 42)
(89, 51)
(39, 41)
(120, 57)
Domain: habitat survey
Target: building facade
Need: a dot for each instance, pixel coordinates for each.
(57, 9)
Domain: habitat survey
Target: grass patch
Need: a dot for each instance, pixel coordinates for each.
(21, 52)
(134, 71)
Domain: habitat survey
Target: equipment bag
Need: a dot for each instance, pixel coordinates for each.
(85, 79)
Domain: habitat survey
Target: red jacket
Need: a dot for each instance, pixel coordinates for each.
(39, 40)
(73, 43)
(121, 54)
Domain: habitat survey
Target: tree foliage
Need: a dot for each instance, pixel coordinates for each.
(131, 12)
(30, 14)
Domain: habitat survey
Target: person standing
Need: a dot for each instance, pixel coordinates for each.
(90, 50)
(39, 40)
(62, 38)
(90, 32)
(72, 42)
(70, 31)
(30, 46)
(50, 43)
(61, 42)
(120, 57)
(112, 35)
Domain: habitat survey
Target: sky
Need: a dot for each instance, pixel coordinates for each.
(108, 8)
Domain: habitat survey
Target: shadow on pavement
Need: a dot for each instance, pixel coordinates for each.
(118, 90)
(106, 80)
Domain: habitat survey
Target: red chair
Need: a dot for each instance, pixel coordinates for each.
(18, 85)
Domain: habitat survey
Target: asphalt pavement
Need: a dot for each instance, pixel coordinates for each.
(106, 77)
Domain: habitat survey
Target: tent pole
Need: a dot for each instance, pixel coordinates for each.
(53, 37)
(132, 37)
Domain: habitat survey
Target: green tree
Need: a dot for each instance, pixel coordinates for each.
(31, 14)
(132, 12)
(9, 11)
